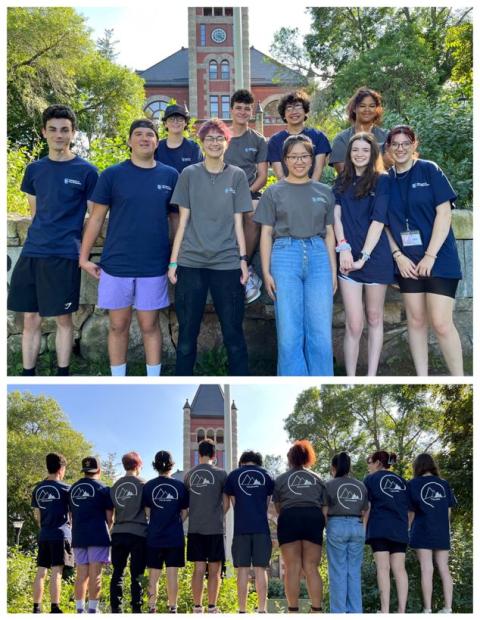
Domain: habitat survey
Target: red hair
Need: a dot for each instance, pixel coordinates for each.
(301, 454)
(214, 124)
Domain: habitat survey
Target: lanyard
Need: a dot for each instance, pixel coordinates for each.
(404, 191)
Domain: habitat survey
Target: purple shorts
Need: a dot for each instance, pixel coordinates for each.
(89, 555)
(115, 292)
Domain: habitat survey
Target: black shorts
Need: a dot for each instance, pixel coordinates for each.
(300, 523)
(49, 286)
(54, 553)
(384, 544)
(168, 556)
(205, 548)
(438, 286)
(251, 550)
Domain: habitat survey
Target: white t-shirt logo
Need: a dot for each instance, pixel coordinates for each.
(164, 493)
(250, 480)
(391, 484)
(431, 493)
(45, 495)
(125, 492)
(82, 491)
(201, 479)
(299, 481)
(348, 493)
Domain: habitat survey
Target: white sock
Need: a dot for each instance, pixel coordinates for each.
(153, 370)
(79, 604)
(92, 604)
(119, 371)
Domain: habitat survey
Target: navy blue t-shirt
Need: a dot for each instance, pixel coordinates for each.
(186, 154)
(51, 498)
(416, 194)
(137, 243)
(389, 505)
(321, 145)
(89, 499)
(165, 497)
(357, 215)
(430, 499)
(61, 189)
(250, 485)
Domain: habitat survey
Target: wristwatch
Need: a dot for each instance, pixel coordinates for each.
(244, 257)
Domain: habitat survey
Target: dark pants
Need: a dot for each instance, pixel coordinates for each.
(228, 297)
(124, 545)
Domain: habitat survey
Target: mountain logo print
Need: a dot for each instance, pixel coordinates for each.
(46, 494)
(80, 492)
(349, 495)
(163, 494)
(200, 480)
(300, 481)
(250, 480)
(124, 493)
(431, 493)
(391, 485)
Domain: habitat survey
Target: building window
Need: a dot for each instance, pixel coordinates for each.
(211, 434)
(155, 108)
(271, 115)
(207, 11)
(203, 35)
(225, 70)
(213, 70)
(220, 462)
(218, 11)
(213, 106)
(225, 106)
(228, 12)
(200, 435)
(220, 436)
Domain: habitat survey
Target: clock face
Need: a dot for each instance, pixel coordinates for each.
(219, 35)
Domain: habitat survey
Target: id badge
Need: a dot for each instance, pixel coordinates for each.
(411, 237)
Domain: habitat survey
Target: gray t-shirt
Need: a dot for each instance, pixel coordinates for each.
(209, 239)
(246, 151)
(126, 495)
(341, 140)
(205, 485)
(346, 496)
(299, 487)
(296, 210)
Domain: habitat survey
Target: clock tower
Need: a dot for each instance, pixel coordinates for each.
(219, 59)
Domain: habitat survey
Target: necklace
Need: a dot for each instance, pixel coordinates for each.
(214, 175)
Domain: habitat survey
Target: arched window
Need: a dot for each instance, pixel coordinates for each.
(211, 434)
(225, 70)
(200, 435)
(213, 70)
(155, 108)
(270, 113)
(220, 438)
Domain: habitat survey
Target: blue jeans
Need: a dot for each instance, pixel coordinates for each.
(345, 543)
(303, 306)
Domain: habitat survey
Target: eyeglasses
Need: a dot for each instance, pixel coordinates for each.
(214, 139)
(396, 146)
(176, 119)
(293, 106)
(301, 158)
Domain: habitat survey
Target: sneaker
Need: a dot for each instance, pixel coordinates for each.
(426, 611)
(213, 610)
(197, 609)
(252, 287)
(445, 610)
(152, 610)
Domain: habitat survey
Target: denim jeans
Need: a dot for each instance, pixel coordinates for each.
(345, 543)
(228, 297)
(303, 306)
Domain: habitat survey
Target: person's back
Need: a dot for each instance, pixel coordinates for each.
(205, 483)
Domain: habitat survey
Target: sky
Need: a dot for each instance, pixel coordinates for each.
(148, 35)
(148, 418)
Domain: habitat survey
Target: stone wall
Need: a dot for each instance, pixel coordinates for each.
(91, 324)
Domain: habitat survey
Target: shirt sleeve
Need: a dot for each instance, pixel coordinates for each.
(34, 502)
(197, 155)
(330, 208)
(91, 182)
(339, 149)
(441, 188)
(262, 153)
(274, 150)
(265, 212)
(379, 211)
(102, 194)
(322, 145)
(107, 499)
(171, 206)
(276, 491)
(181, 194)
(185, 498)
(146, 497)
(27, 185)
(243, 200)
(228, 489)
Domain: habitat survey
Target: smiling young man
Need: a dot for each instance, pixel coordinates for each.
(133, 266)
(294, 108)
(46, 279)
(176, 150)
(247, 149)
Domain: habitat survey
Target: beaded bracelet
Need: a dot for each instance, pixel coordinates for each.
(343, 247)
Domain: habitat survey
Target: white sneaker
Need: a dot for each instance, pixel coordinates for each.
(252, 287)
(445, 610)
(426, 611)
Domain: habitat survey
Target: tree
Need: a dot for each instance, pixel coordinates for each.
(36, 425)
(288, 49)
(459, 44)
(106, 46)
(274, 464)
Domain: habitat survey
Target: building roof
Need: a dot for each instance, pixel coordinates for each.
(208, 402)
(173, 71)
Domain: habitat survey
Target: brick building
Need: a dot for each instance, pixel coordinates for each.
(218, 61)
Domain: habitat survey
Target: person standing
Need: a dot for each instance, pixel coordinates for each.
(297, 249)
(432, 501)
(362, 193)
(347, 506)
(387, 526)
(128, 533)
(51, 512)
(293, 109)
(247, 149)
(249, 488)
(166, 502)
(46, 279)
(92, 511)
(299, 496)
(205, 542)
(175, 150)
(208, 252)
(424, 249)
(133, 267)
